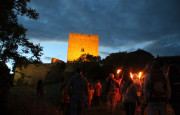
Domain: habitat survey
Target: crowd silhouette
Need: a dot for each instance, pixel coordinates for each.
(122, 90)
(135, 94)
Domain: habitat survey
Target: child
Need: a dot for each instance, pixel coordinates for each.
(91, 92)
(98, 88)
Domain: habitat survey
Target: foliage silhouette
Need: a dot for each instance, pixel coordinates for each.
(13, 41)
(90, 65)
(134, 60)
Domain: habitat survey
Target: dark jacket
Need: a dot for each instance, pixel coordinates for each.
(77, 86)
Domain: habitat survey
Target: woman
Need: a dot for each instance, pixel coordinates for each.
(129, 94)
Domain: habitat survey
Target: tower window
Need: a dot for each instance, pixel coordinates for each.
(82, 49)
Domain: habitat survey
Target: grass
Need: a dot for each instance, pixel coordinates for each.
(23, 101)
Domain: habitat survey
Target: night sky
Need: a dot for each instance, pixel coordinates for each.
(122, 25)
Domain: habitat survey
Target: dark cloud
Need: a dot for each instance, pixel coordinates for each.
(165, 47)
(153, 25)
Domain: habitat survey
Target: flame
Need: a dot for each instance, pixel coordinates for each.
(131, 75)
(140, 75)
(118, 71)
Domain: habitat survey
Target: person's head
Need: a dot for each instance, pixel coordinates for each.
(91, 86)
(135, 76)
(147, 68)
(126, 72)
(111, 76)
(172, 70)
(97, 81)
(126, 75)
(79, 70)
(89, 83)
(40, 81)
(118, 75)
(155, 65)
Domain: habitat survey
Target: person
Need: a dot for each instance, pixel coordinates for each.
(129, 94)
(157, 90)
(98, 88)
(65, 100)
(174, 78)
(40, 88)
(118, 80)
(143, 103)
(137, 84)
(111, 93)
(91, 92)
(4, 87)
(78, 90)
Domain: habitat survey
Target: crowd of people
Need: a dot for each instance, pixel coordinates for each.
(153, 91)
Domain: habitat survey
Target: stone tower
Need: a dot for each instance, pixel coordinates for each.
(82, 44)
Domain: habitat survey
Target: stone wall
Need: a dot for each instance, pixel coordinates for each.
(32, 73)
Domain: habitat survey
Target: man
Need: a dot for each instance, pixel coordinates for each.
(156, 90)
(78, 90)
(111, 93)
(174, 78)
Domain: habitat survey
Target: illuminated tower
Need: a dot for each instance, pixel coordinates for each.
(82, 44)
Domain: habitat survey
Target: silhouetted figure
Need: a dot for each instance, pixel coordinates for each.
(118, 83)
(4, 87)
(156, 90)
(143, 103)
(65, 100)
(40, 88)
(129, 94)
(174, 78)
(91, 92)
(137, 83)
(97, 94)
(78, 91)
(111, 93)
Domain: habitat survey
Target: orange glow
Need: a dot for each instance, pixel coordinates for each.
(136, 75)
(118, 71)
(131, 75)
(82, 44)
(54, 60)
(140, 75)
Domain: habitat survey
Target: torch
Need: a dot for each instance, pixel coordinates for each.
(118, 71)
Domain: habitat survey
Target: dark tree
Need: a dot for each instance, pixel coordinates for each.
(133, 60)
(88, 58)
(13, 41)
(90, 65)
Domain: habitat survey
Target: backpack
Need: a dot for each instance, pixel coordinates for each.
(157, 87)
(111, 85)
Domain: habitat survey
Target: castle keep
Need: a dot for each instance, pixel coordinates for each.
(78, 44)
(82, 44)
